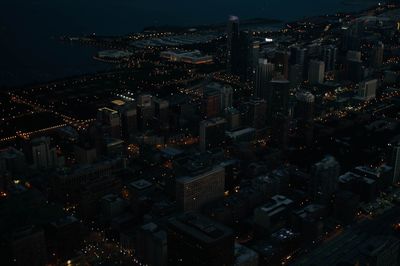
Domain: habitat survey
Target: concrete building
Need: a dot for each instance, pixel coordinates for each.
(324, 178)
(212, 133)
(196, 240)
(43, 153)
(316, 72)
(151, 247)
(272, 215)
(192, 192)
(367, 90)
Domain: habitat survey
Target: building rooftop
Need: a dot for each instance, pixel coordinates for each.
(200, 227)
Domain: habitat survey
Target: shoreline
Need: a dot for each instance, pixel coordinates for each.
(175, 29)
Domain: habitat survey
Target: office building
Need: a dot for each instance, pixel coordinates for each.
(211, 102)
(264, 74)
(396, 163)
(329, 56)
(28, 247)
(43, 153)
(151, 247)
(257, 113)
(316, 72)
(145, 111)
(324, 178)
(304, 114)
(192, 192)
(273, 215)
(376, 56)
(277, 98)
(367, 90)
(233, 44)
(110, 122)
(212, 133)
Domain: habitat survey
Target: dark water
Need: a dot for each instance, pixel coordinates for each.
(30, 52)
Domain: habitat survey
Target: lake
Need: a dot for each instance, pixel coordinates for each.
(30, 51)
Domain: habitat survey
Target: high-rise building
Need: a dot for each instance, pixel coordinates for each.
(192, 192)
(304, 109)
(233, 44)
(110, 122)
(28, 247)
(257, 113)
(226, 97)
(329, 56)
(367, 89)
(376, 59)
(304, 114)
(324, 178)
(277, 98)
(264, 74)
(212, 133)
(43, 154)
(350, 38)
(161, 112)
(85, 153)
(128, 117)
(396, 163)
(297, 55)
(316, 72)
(281, 62)
(151, 248)
(296, 75)
(211, 102)
(145, 111)
(232, 116)
(196, 240)
(253, 57)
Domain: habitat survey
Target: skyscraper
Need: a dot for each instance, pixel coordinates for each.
(257, 113)
(211, 102)
(377, 54)
(367, 89)
(212, 133)
(233, 45)
(277, 98)
(264, 74)
(329, 56)
(145, 111)
(44, 155)
(297, 55)
(304, 113)
(110, 122)
(324, 178)
(396, 163)
(316, 72)
(226, 97)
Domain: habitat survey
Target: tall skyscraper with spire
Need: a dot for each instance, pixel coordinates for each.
(233, 44)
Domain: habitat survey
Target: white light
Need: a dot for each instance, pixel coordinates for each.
(268, 40)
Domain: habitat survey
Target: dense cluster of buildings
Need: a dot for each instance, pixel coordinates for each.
(290, 157)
